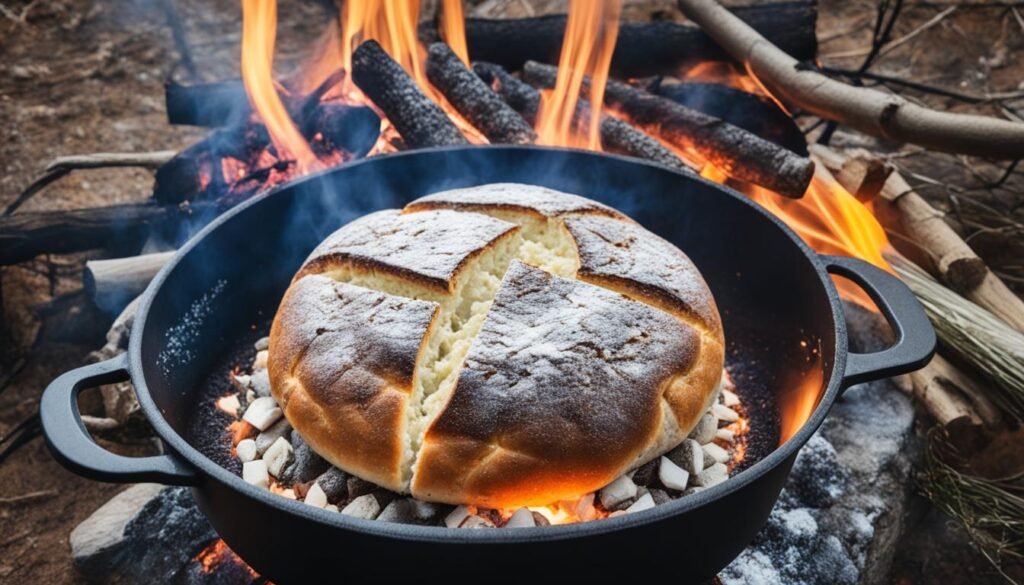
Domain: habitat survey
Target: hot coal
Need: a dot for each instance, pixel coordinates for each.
(475, 100)
(756, 114)
(642, 48)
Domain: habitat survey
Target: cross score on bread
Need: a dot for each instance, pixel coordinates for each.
(503, 345)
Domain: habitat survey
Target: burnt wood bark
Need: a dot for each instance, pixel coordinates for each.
(419, 121)
(735, 151)
(616, 136)
(24, 236)
(223, 103)
(474, 100)
(643, 48)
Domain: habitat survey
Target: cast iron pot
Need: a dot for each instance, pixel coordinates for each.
(781, 311)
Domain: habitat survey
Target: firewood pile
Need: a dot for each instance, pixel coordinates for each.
(810, 117)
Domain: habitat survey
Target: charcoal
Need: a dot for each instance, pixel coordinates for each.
(265, 439)
(306, 465)
(704, 432)
(646, 473)
(358, 487)
(660, 496)
(334, 482)
(689, 455)
(399, 511)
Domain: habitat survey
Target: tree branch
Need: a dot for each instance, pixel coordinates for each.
(865, 109)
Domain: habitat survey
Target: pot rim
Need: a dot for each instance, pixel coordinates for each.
(210, 470)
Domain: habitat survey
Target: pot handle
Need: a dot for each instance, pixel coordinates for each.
(72, 446)
(915, 337)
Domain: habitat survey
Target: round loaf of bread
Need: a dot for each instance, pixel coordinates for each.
(503, 345)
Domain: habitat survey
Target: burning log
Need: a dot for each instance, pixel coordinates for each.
(735, 151)
(865, 109)
(113, 283)
(420, 121)
(474, 100)
(643, 48)
(955, 262)
(616, 135)
(26, 235)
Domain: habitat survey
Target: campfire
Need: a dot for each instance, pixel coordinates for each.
(725, 96)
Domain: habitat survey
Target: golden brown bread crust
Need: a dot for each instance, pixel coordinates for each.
(342, 363)
(568, 384)
(562, 386)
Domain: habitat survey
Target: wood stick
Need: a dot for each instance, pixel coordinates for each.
(113, 283)
(616, 135)
(63, 165)
(738, 153)
(26, 235)
(948, 394)
(865, 109)
(419, 121)
(223, 103)
(954, 261)
(474, 100)
(642, 48)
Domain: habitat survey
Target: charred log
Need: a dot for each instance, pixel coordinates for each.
(332, 127)
(755, 114)
(643, 48)
(474, 100)
(735, 151)
(24, 236)
(223, 103)
(616, 136)
(420, 121)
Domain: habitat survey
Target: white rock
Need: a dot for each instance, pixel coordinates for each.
(729, 398)
(262, 412)
(689, 455)
(262, 344)
(725, 413)
(704, 432)
(249, 396)
(672, 476)
(246, 450)
(424, 511)
(277, 456)
(316, 497)
(475, 521)
(644, 502)
(455, 518)
(712, 476)
(331, 508)
(717, 453)
(242, 381)
(261, 360)
(255, 472)
(725, 435)
(522, 518)
(617, 492)
(261, 382)
(365, 506)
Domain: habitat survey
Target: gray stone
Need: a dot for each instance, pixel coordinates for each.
(265, 439)
(400, 511)
(334, 482)
(306, 465)
(260, 382)
(841, 515)
(146, 534)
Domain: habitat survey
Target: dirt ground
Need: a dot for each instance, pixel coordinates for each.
(80, 77)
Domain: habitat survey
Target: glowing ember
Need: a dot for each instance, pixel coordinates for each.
(590, 34)
(259, 30)
(217, 554)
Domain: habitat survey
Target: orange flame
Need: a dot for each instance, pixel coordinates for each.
(590, 34)
(259, 31)
(392, 23)
(453, 29)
